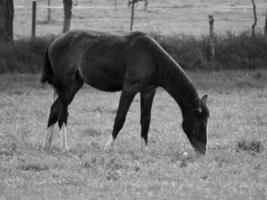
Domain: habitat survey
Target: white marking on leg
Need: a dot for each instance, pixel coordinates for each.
(109, 144)
(63, 138)
(144, 147)
(49, 137)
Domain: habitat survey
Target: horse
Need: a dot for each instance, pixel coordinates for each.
(131, 63)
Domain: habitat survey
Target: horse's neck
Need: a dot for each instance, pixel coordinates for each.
(177, 83)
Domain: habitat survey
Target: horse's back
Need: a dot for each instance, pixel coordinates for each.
(101, 59)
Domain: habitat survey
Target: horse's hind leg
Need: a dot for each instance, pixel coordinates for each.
(62, 120)
(146, 104)
(51, 124)
(65, 98)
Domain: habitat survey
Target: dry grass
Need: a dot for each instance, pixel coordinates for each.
(234, 168)
(189, 17)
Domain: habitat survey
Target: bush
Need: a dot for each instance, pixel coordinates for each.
(241, 52)
(24, 55)
(231, 52)
(188, 51)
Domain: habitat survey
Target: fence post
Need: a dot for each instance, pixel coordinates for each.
(211, 38)
(33, 18)
(48, 10)
(265, 28)
(132, 16)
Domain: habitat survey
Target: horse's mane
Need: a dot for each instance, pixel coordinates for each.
(172, 71)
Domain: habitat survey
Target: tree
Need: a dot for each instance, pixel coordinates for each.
(132, 3)
(67, 15)
(253, 32)
(255, 19)
(6, 20)
(135, 1)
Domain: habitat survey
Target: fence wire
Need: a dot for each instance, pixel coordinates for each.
(174, 18)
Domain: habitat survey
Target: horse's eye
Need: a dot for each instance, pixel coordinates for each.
(198, 114)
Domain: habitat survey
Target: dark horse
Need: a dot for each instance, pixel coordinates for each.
(130, 63)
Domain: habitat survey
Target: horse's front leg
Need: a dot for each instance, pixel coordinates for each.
(126, 99)
(147, 97)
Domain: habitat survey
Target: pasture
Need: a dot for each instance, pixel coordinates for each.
(235, 166)
(187, 17)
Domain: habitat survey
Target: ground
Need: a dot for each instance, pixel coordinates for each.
(235, 166)
(188, 17)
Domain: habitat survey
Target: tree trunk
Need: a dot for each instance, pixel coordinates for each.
(132, 16)
(6, 20)
(255, 19)
(67, 15)
(253, 33)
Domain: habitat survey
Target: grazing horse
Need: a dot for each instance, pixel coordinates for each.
(132, 63)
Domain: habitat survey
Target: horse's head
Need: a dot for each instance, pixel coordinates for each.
(195, 125)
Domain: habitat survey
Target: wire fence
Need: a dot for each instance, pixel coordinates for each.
(175, 18)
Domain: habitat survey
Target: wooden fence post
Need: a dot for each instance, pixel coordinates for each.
(48, 10)
(132, 16)
(265, 28)
(33, 18)
(211, 38)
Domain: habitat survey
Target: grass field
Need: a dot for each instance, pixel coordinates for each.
(234, 168)
(166, 17)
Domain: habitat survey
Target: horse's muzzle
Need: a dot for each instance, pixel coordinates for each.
(199, 147)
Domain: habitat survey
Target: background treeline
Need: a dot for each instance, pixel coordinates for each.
(192, 53)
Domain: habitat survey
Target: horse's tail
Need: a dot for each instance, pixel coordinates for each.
(48, 75)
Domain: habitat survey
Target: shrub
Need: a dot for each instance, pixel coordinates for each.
(231, 52)
(24, 55)
(241, 52)
(188, 51)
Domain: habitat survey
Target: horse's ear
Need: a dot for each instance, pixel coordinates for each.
(204, 99)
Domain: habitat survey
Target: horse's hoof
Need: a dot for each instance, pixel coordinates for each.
(108, 148)
(144, 147)
(109, 145)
